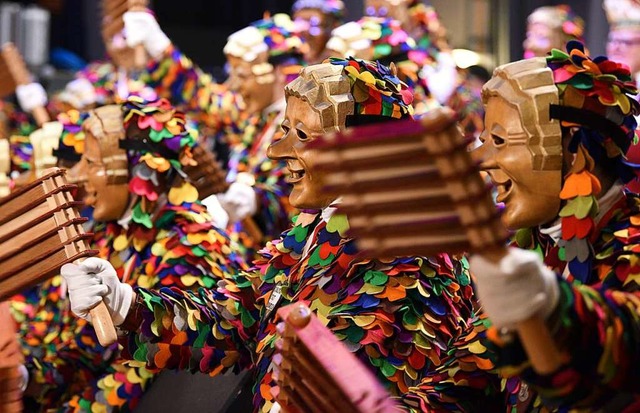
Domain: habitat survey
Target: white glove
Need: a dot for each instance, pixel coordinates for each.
(239, 201)
(142, 28)
(93, 280)
(31, 96)
(80, 93)
(442, 80)
(517, 288)
(25, 377)
(219, 216)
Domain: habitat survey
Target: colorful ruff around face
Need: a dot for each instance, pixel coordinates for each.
(596, 98)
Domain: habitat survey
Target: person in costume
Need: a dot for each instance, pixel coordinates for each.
(444, 82)
(150, 227)
(557, 130)
(623, 44)
(551, 27)
(384, 40)
(314, 20)
(421, 23)
(112, 80)
(409, 319)
(262, 57)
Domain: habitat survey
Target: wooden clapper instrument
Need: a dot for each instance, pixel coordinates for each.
(13, 73)
(411, 188)
(112, 23)
(41, 230)
(10, 358)
(318, 374)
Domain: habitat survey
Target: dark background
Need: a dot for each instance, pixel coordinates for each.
(200, 27)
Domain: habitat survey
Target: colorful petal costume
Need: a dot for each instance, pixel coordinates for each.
(173, 245)
(593, 247)
(247, 135)
(409, 319)
(384, 40)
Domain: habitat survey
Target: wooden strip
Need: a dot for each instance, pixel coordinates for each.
(359, 157)
(32, 236)
(35, 216)
(34, 199)
(46, 245)
(422, 198)
(438, 221)
(301, 367)
(419, 244)
(115, 8)
(299, 379)
(380, 179)
(291, 402)
(31, 275)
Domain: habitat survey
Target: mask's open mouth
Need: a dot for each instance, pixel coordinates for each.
(504, 189)
(295, 175)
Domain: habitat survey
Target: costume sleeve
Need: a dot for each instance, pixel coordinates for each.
(208, 330)
(174, 76)
(465, 380)
(598, 331)
(185, 253)
(120, 386)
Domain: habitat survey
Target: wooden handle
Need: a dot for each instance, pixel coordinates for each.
(538, 343)
(253, 229)
(103, 324)
(535, 336)
(139, 52)
(21, 76)
(139, 57)
(40, 115)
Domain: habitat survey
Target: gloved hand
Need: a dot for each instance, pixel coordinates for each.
(24, 377)
(93, 280)
(31, 96)
(142, 28)
(79, 93)
(518, 287)
(219, 216)
(239, 201)
(442, 79)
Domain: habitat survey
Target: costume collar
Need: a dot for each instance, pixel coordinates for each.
(605, 203)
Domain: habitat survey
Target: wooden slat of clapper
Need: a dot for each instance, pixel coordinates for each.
(317, 374)
(13, 73)
(207, 176)
(380, 217)
(209, 179)
(57, 238)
